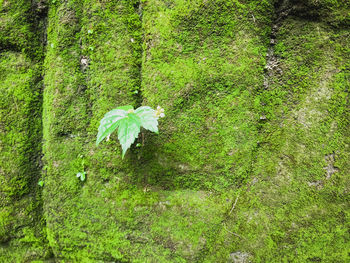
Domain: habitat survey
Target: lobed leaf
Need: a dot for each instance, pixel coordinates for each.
(129, 123)
(109, 123)
(129, 129)
(126, 107)
(148, 118)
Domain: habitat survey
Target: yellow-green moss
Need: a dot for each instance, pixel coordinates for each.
(147, 207)
(90, 68)
(203, 62)
(238, 166)
(333, 12)
(21, 227)
(21, 26)
(295, 208)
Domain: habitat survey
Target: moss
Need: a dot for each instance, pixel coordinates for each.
(203, 61)
(138, 209)
(20, 133)
(22, 230)
(90, 68)
(295, 207)
(236, 167)
(21, 25)
(333, 12)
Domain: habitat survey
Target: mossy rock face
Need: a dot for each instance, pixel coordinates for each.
(21, 26)
(333, 12)
(14, 24)
(295, 208)
(89, 69)
(203, 62)
(251, 162)
(164, 202)
(21, 231)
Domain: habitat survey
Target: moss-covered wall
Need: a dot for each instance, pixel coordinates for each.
(252, 159)
(203, 62)
(296, 205)
(22, 232)
(91, 66)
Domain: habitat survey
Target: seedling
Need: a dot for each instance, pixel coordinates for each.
(82, 176)
(129, 122)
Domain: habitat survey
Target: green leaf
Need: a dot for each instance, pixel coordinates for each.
(83, 176)
(148, 119)
(129, 123)
(126, 107)
(41, 183)
(109, 123)
(128, 131)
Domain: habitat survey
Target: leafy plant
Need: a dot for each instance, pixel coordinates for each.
(82, 175)
(129, 122)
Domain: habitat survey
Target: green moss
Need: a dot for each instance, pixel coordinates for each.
(147, 207)
(295, 207)
(333, 12)
(20, 27)
(202, 63)
(281, 152)
(22, 230)
(20, 136)
(91, 67)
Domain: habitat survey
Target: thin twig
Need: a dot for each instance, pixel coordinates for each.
(234, 233)
(233, 207)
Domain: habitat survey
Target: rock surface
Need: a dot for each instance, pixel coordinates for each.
(252, 157)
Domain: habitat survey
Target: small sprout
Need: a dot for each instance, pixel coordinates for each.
(135, 92)
(90, 31)
(128, 123)
(82, 176)
(138, 145)
(41, 183)
(91, 48)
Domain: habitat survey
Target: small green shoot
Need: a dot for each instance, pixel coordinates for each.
(129, 122)
(82, 176)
